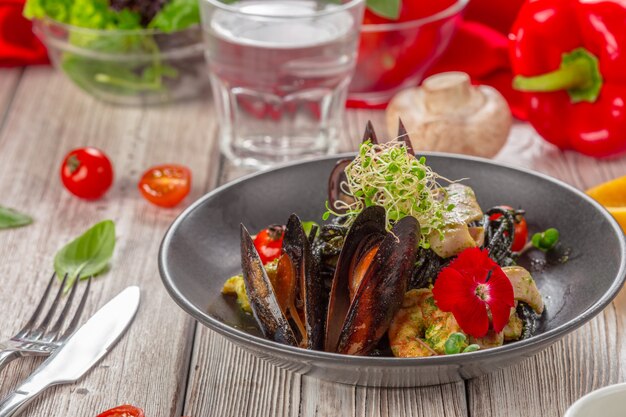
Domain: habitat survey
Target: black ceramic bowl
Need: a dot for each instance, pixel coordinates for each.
(201, 250)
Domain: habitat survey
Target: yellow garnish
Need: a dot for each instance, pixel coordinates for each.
(236, 286)
(612, 195)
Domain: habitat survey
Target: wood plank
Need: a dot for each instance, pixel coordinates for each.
(48, 118)
(9, 78)
(227, 381)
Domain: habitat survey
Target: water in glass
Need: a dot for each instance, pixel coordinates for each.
(280, 71)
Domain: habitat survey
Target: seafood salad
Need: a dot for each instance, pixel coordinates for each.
(406, 264)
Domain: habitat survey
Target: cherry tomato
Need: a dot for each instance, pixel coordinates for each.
(269, 242)
(165, 185)
(123, 411)
(520, 235)
(87, 173)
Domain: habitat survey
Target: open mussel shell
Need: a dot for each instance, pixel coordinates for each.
(260, 291)
(369, 226)
(356, 323)
(309, 285)
(288, 307)
(403, 136)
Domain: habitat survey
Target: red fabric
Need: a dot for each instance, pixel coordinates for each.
(480, 48)
(18, 44)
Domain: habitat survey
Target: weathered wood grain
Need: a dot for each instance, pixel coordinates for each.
(227, 381)
(48, 117)
(9, 78)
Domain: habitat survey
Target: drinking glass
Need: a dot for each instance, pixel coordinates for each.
(280, 71)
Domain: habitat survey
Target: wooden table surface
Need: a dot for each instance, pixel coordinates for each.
(168, 364)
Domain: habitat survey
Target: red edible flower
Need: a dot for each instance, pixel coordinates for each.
(470, 284)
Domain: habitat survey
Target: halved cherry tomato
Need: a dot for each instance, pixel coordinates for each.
(520, 235)
(269, 242)
(123, 411)
(165, 185)
(87, 173)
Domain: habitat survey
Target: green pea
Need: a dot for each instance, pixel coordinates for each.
(471, 348)
(455, 343)
(546, 240)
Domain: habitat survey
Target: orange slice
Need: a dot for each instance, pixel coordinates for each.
(612, 195)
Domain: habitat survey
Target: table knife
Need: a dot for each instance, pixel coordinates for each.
(79, 354)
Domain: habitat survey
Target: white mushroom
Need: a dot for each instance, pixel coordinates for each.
(448, 114)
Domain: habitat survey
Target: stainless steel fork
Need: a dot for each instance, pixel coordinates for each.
(35, 338)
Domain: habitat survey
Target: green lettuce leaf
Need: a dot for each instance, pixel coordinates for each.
(176, 15)
(91, 14)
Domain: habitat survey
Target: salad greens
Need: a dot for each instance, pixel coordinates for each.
(10, 218)
(124, 62)
(98, 14)
(176, 15)
(88, 254)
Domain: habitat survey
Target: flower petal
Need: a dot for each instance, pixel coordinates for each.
(452, 289)
(474, 263)
(500, 313)
(501, 299)
(472, 317)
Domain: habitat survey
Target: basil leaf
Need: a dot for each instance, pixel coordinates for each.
(88, 254)
(389, 9)
(11, 218)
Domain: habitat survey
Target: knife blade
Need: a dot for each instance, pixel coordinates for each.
(91, 342)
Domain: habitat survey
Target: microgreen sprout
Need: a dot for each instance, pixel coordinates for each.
(388, 175)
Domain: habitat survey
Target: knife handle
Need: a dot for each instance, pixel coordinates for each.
(15, 402)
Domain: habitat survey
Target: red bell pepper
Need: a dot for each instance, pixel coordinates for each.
(570, 58)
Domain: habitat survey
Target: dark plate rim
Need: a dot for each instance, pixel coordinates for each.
(536, 342)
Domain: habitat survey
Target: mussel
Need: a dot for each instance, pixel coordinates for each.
(286, 306)
(368, 285)
(370, 280)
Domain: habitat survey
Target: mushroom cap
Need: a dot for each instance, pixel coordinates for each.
(448, 114)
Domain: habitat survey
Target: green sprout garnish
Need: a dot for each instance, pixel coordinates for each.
(388, 175)
(546, 240)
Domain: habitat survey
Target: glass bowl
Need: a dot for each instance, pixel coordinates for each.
(129, 67)
(395, 56)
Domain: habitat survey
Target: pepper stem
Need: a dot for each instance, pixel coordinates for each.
(579, 74)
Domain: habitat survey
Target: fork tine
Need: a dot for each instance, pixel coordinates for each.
(38, 332)
(54, 331)
(28, 327)
(79, 311)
